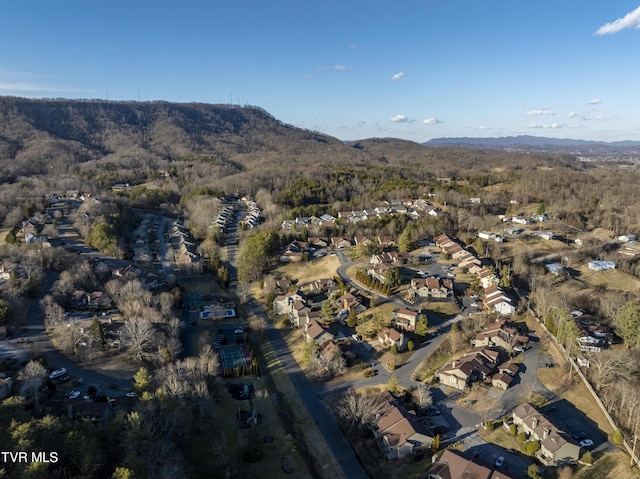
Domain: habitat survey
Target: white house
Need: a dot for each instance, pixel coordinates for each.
(601, 265)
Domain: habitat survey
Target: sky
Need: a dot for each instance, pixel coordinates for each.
(410, 69)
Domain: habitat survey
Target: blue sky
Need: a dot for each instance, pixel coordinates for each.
(352, 69)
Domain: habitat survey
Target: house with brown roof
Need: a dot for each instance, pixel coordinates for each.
(476, 365)
(389, 336)
(431, 287)
(502, 381)
(398, 431)
(349, 301)
(556, 446)
(454, 464)
(318, 334)
(404, 319)
(502, 334)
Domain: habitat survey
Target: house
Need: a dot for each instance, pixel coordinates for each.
(495, 300)
(454, 464)
(487, 278)
(554, 268)
(501, 334)
(398, 431)
(485, 235)
(601, 265)
(389, 336)
(477, 364)
(520, 220)
(78, 299)
(348, 301)
(431, 287)
(556, 446)
(545, 235)
(404, 319)
(475, 201)
(628, 238)
(318, 334)
(502, 381)
(98, 300)
(340, 242)
(283, 304)
(379, 272)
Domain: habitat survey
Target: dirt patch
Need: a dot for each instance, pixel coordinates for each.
(201, 285)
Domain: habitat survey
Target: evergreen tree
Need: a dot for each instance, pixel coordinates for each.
(422, 325)
(352, 319)
(97, 332)
(327, 311)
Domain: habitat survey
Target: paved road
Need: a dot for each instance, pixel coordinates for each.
(40, 343)
(340, 447)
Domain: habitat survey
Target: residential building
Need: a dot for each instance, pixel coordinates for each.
(556, 446)
(398, 431)
(454, 464)
(404, 319)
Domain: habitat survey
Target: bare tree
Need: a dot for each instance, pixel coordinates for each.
(423, 396)
(53, 313)
(33, 374)
(358, 409)
(140, 337)
(258, 326)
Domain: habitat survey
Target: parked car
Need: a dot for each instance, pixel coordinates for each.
(550, 408)
(586, 443)
(63, 379)
(355, 337)
(518, 349)
(131, 394)
(74, 394)
(579, 435)
(57, 373)
(499, 461)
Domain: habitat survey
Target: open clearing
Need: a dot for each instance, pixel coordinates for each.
(308, 272)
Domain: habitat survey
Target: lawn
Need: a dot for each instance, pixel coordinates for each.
(614, 465)
(308, 272)
(610, 279)
(3, 234)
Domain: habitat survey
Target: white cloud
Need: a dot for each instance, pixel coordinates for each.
(399, 119)
(340, 67)
(552, 126)
(430, 121)
(398, 75)
(573, 114)
(353, 45)
(541, 111)
(30, 87)
(485, 127)
(595, 101)
(631, 19)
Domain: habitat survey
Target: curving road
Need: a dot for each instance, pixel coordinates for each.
(40, 343)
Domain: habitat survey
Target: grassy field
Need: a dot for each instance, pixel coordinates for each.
(311, 271)
(610, 279)
(612, 465)
(3, 234)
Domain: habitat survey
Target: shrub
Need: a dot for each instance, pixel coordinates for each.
(587, 458)
(522, 436)
(410, 345)
(368, 373)
(531, 447)
(490, 426)
(513, 429)
(617, 437)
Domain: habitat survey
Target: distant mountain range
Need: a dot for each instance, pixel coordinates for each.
(539, 143)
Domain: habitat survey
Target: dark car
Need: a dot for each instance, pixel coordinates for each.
(578, 435)
(550, 408)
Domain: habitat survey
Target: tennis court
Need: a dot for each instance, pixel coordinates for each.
(234, 356)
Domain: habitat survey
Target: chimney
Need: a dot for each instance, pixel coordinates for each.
(453, 364)
(534, 423)
(545, 433)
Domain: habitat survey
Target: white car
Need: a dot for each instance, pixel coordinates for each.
(57, 373)
(499, 461)
(586, 443)
(355, 337)
(74, 394)
(131, 394)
